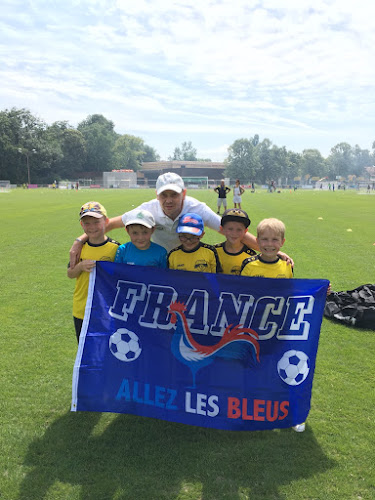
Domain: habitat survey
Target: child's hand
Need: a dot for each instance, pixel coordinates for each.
(87, 265)
(329, 289)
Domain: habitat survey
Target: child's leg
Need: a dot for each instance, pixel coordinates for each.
(78, 326)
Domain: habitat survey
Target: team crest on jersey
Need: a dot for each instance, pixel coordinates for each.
(201, 265)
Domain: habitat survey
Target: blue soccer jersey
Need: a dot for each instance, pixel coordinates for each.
(155, 255)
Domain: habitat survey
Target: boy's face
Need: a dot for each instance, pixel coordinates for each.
(269, 244)
(93, 226)
(234, 231)
(140, 235)
(189, 241)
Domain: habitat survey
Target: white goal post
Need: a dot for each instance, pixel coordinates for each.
(196, 182)
(4, 186)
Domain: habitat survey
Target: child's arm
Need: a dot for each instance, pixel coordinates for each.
(85, 265)
(75, 251)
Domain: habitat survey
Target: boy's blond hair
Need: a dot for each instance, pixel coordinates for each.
(276, 225)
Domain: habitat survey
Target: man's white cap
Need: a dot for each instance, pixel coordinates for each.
(171, 181)
(143, 217)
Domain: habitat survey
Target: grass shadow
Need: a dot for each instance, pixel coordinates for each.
(142, 458)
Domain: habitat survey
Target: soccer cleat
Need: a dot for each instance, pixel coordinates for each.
(299, 427)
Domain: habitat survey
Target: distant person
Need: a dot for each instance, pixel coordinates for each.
(192, 254)
(98, 246)
(222, 190)
(140, 250)
(232, 252)
(238, 191)
(170, 203)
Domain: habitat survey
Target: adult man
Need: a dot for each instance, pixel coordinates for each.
(171, 202)
(222, 191)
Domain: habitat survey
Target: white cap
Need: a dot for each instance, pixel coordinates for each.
(171, 181)
(143, 217)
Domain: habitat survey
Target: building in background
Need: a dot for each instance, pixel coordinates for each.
(120, 179)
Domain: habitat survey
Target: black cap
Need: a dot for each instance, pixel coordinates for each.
(236, 215)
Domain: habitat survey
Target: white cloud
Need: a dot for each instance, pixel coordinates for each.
(291, 70)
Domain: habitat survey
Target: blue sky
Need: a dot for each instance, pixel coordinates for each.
(300, 73)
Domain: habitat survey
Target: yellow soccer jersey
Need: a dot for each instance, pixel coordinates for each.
(104, 251)
(231, 262)
(255, 266)
(203, 259)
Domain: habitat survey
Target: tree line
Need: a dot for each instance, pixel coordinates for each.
(261, 161)
(32, 151)
(59, 151)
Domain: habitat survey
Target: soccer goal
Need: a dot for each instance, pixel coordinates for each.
(4, 186)
(196, 182)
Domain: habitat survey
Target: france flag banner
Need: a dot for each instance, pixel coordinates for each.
(212, 350)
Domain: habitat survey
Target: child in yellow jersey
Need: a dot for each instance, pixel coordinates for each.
(93, 218)
(233, 252)
(270, 238)
(192, 254)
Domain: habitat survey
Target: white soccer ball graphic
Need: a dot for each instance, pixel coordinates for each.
(293, 367)
(125, 345)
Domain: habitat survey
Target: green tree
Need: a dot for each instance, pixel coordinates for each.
(128, 152)
(313, 163)
(186, 153)
(149, 154)
(100, 138)
(340, 161)
(20, 138)
(242, 161)
(362, 158)
(177, 155)
(294, 168)
(69, 150)
(265, 153)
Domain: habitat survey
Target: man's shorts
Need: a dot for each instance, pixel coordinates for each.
(222, 201)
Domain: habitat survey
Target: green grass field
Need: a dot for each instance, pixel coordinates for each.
(47, 452)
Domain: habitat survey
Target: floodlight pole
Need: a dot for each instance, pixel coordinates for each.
(27, 154)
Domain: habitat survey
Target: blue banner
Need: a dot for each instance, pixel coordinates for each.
(212, 350)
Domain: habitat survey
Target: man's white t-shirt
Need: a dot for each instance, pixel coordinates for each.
(165, 229)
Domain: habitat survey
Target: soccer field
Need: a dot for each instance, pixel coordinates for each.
(50, 453)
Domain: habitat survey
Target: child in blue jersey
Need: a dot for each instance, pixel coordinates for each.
(140, 250)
